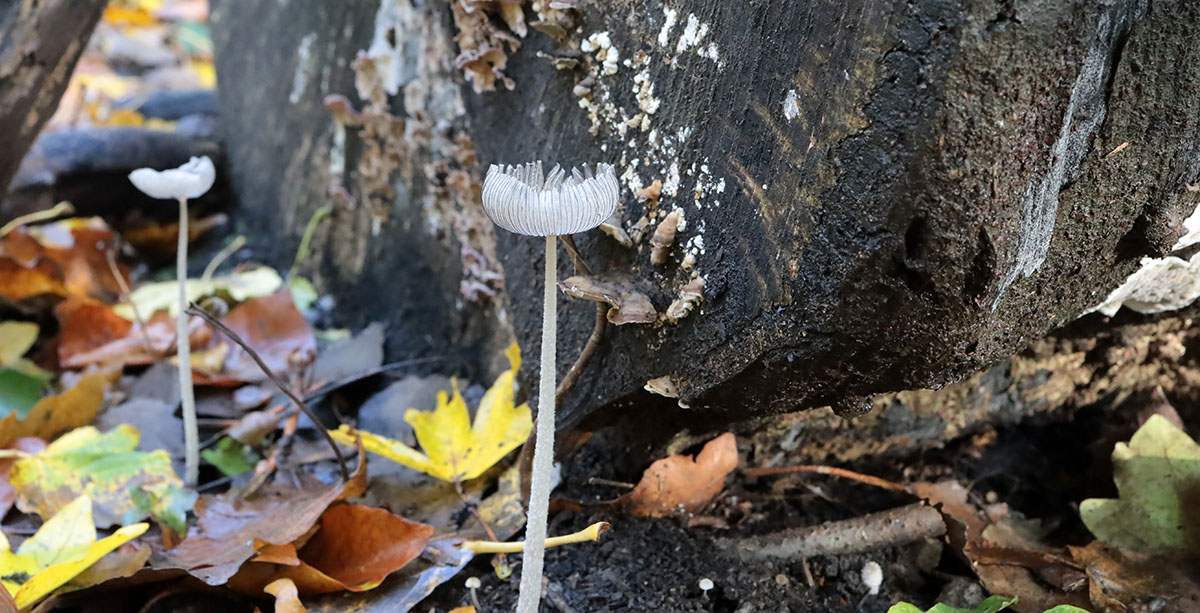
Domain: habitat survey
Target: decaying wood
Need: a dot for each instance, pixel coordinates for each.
(879, 196)
(899, 526)
(39, 45)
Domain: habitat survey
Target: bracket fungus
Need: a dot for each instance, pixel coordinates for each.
(191, 180)
(522, 200)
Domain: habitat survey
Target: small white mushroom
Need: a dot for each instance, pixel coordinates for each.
(191, 180)
(705, 585)
(521, 200)
(872, 577)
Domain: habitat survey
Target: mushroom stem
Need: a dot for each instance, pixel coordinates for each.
(191, 435)
(543, 451)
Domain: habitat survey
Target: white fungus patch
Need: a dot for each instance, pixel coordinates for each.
(791, 106)
(1164, 284)
(304, 67)
(872, 577)
(669, 16)
(1192, 234)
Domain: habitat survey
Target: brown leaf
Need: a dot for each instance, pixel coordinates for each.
(19, 283)
(124, 562)
(54, 415)
(78, 247)
(355, 548)
(92, 333)
(1119, 581)
(679, 484)
(276, 331)
(287, 598)
(231, 530)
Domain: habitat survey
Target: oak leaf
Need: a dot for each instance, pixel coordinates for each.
(681, 484)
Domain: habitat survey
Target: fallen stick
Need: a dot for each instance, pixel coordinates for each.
(898, 526)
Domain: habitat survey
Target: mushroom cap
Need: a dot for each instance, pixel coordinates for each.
(191, 180)
(520, 200)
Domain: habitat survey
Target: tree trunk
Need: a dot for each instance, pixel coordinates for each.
(39, 45)
(878, 195)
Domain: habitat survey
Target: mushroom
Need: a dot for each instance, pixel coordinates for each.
(521, 200)
(191, 180)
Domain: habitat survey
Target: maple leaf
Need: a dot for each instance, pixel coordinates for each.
(62, 548)
(1157, 475)
(453, 447)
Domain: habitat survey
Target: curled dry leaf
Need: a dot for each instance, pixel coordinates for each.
(682, 484)
(92, 333)
(74, 251)
(629, 306)
(355, 548)
(232, 529)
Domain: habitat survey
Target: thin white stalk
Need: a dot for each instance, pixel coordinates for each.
(191, 436)
(543, 451)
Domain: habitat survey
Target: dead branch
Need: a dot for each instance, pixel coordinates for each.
(889, 528)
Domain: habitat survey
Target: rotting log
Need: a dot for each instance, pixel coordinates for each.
(39, 45)
(879, 195)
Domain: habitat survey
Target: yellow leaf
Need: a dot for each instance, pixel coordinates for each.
(164, 296)
(62, 548)
(16, 337)
(125, 484)
(454, 448)
(54, 414)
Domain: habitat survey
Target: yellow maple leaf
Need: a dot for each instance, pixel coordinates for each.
(454, 448)
(62, 548)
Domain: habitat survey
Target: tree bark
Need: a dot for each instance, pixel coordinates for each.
(879, 195)
(39, 45)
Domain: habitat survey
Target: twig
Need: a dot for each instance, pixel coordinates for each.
(766, 471)
(195, 309)
(221, 256)
(591, 533)
(897, 526)
(126, 294)
(593, 341)
(602, 481)
(36, 216)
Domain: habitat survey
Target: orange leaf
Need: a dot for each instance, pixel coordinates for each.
(92, 333)
(53, 415)
(680, 484)
(356, 548)
(19, 283)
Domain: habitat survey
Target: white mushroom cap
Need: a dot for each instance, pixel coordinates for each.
(191, 180)
(520, 200)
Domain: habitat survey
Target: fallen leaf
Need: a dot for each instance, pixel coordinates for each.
(287, 598)
(681, 484)
(276, 331)
(230, 530)
(354, 549)
(8, 494)
(454, 448)
(164, 296)
(466, 609)
(1119, 581)
(55, 414)
(990, 605)
(256, 425)
(21, 284)
(125, 485)
(20, 392)
(16, 337)
(92, 333)
(62, 548)
(124, 561)
(1158, 477)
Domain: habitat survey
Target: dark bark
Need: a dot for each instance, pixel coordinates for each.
(39, 45)
(891, 194)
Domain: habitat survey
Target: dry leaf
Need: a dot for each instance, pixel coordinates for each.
(287, 598)
(273, 327)
(56, 414)
(355, 549)
(680, 484)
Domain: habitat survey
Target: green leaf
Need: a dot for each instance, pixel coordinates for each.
(303, 292)
(125, 485)
(990, 605)
(1066, 608)
(230, 457)
(1156, 473)
(19, 391)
